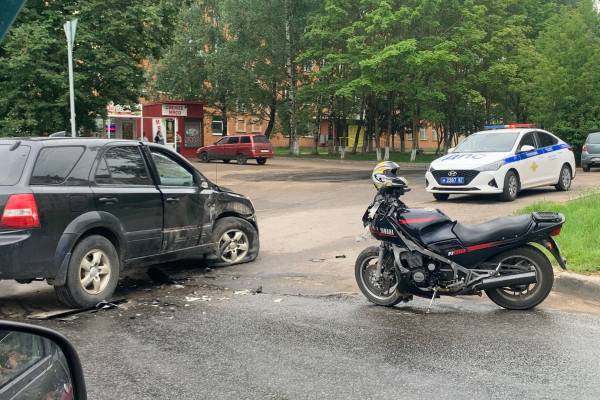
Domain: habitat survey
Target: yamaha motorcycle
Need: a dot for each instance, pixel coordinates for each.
(424, 253)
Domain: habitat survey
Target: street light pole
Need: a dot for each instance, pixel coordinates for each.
(70, 28)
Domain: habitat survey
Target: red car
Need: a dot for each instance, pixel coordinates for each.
(240, 148)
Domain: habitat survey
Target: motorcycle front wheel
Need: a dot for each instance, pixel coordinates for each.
(382, 291)
(523, 297)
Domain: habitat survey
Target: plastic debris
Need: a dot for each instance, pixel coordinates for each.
(277, 300)
(341, 256)
(242, 292)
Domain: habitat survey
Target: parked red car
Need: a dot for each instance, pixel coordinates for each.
(240, 148)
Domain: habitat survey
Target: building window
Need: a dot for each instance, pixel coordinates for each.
(434, 135)
(217, 125)
(422, 134)
(409, 135)
(240, 125)
(256, 125)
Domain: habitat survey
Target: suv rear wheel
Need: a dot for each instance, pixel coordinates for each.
(92, 275)
(261, 161)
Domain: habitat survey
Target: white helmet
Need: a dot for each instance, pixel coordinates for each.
(385, 174)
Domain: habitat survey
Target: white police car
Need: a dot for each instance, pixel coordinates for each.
(502, 160)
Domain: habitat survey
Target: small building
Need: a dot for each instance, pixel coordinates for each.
(179, 122)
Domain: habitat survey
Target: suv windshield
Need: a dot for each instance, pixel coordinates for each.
(488, 142)
(260, 139)
(13, 163)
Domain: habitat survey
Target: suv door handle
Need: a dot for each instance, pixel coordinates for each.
(108, 200)
(172, 199)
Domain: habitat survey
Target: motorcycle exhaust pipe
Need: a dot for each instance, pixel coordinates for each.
(524, 278)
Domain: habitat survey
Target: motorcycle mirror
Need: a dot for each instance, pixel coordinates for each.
(526, 148)
(29, 354)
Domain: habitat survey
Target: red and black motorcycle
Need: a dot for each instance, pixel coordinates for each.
(424, 253)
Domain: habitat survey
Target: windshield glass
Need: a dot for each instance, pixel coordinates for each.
(13, 162)
(594, 138)
(488, 142)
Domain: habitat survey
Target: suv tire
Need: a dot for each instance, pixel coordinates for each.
(241, 159)
(245, 235)
(261, 161)
(93, 273)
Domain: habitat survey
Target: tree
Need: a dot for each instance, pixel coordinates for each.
(113, 39)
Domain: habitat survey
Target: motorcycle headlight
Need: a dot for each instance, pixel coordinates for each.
(495, 166)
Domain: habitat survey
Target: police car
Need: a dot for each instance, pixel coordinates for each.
(503, 160)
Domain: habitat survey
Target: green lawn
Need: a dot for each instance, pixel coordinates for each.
(306, 152)
(579, 239)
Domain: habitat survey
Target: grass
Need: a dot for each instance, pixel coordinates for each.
(579, 240)
(307, 152)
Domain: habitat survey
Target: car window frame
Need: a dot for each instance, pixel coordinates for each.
(100, 157)
(520, 145)
(84, 148)
(193, 172)
(539, 139)
(234, 138)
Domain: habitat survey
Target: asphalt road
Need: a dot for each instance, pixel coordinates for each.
(289, 347)
(322, 340)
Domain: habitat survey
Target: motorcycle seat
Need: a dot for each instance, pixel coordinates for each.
(495, 230)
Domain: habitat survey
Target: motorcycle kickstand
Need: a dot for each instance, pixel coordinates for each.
(435, 290)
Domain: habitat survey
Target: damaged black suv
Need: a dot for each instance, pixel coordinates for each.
(77, 212)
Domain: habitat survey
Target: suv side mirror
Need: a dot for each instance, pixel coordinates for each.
(526, 148)
(41, 355)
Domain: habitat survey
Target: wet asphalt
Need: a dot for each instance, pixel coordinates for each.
(293, 341)
(293, 347)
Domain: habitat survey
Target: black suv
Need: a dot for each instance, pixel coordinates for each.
(77, 212)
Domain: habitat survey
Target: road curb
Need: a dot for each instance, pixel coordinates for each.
(577, 285)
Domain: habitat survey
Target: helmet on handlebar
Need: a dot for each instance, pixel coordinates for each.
(385, 175)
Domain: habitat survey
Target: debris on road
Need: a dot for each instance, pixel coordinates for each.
(242, 292)
(341, 256)
(277, 300)
(317, 260)
(178, 286)
(63, 314)
(258, 290)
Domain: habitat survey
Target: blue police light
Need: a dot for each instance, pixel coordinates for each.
(510, 126)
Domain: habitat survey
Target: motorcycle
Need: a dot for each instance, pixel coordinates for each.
(424, 253)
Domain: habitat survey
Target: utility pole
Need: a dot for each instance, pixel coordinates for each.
(70, 28)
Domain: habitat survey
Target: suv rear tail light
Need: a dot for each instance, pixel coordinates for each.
(584, 148)
(20, 212)
(555, 231)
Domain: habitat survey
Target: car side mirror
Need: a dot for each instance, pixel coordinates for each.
(526, 148)
(451, 150)
(204, 185)
(35, 354)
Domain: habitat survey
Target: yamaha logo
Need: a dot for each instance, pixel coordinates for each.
(452, 173)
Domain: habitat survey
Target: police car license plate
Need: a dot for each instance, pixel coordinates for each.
(453, 180)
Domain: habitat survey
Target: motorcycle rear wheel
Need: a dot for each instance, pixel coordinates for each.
(365, 262)
(523, 297)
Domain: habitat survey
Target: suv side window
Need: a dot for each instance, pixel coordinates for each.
(54, 164)
(122, 166)
(170, 172)
(527, 140)
(234, 140)
(546, 140)
(245, 139)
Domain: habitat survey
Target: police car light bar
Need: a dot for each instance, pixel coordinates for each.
(510, 126)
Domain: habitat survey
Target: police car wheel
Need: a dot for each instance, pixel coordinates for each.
(564, 180)
(511, 186)
(441, 196)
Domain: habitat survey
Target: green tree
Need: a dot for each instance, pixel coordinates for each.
(113, 40)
